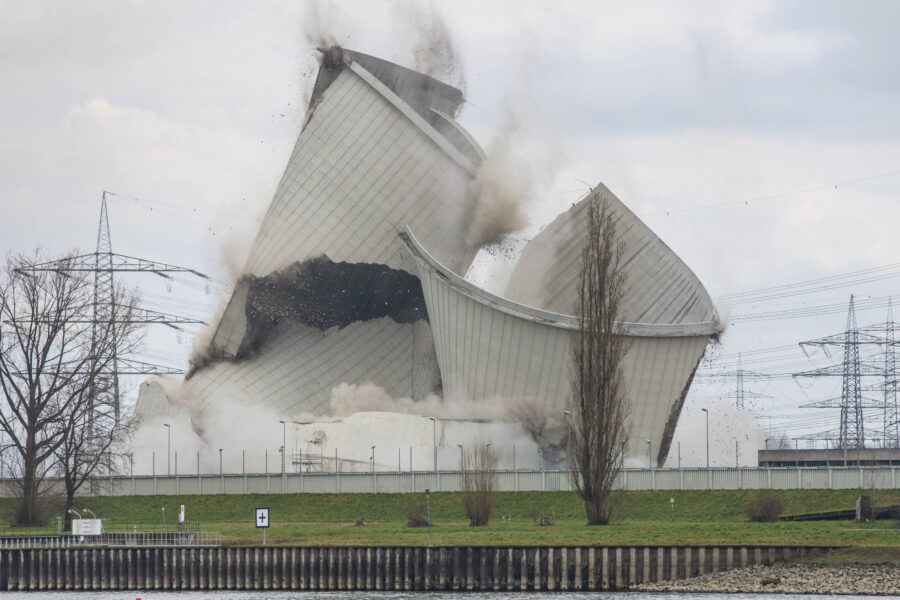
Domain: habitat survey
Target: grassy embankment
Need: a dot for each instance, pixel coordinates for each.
(700, 517)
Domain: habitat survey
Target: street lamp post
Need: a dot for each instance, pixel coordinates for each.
(373, 459)
(220, 462)
(650, 453)
(568, 414)
(707, 436)
(283, 444)
(434, 439)
(168, 448)
(460, 457)
(767, 452)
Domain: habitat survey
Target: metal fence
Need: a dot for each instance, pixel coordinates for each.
(451, 481)
(111, 540)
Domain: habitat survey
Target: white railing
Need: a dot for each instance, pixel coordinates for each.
(450, 481)
(172, 538)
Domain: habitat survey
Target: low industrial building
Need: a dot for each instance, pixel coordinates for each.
(832, 457)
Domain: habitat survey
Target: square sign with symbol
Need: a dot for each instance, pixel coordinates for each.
(262, 517)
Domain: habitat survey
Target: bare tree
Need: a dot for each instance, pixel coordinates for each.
(479, 482)
(90, 434)
(598, 404)
(54, 359)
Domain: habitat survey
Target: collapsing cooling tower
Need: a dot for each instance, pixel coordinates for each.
(328, 296)
(354, 276)
(518, 347)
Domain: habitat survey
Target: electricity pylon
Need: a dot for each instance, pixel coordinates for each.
(104, 264)
(741, 395)
(851, 370)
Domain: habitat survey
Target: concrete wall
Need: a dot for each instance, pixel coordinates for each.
(388, 483)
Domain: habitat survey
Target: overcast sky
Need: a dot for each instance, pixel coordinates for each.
(193, 108)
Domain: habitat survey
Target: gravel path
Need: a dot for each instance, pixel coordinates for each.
(875, 579)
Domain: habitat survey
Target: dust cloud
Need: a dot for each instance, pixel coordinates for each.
(348, 399)
(504, 182)
(362, 415)
(249, 435)
(320, 23)
(434, 52)
(727, 425)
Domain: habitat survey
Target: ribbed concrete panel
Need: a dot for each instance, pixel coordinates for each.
(360, 171)
(660, 288)
(233, 326)
(296, 369)
(153, 402)
(489, 348)
(366, 164)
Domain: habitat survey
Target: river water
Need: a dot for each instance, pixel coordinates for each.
(214, 595)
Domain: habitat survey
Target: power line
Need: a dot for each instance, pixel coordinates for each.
(750, 201)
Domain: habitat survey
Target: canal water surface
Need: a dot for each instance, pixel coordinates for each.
(215, 595)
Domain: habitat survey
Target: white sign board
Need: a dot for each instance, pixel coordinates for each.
(87, 527)
(262, 517)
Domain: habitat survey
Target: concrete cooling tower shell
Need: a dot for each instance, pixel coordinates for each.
(659, 288)
(495, 349)
(337, 290)
(329, 297)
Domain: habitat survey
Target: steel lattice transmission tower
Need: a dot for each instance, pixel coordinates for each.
(851, 370)
(888, 386)
(891, 412)
(104, 310)
(104, 264)
(741, 395)
(852, 421)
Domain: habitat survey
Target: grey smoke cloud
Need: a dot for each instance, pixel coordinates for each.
(434, 51)
(504, 182)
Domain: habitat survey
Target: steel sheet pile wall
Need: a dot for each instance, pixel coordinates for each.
(371, 568)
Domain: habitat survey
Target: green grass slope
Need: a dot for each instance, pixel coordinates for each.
(645, 517)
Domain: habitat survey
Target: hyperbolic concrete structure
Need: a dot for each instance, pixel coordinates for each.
(518, 347)
(356, 275)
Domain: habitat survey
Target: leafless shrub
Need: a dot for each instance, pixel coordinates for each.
(416, 514)
(765, 508)
(479, 479)
(542, 519)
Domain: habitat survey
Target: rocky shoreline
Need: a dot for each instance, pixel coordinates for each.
(792, 578)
